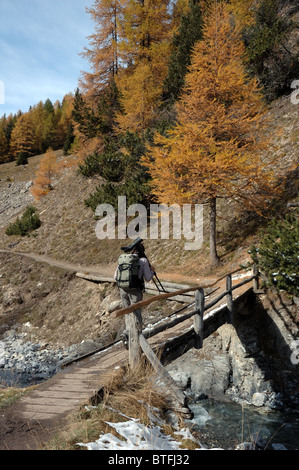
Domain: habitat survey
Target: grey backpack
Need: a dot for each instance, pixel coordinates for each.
(127, 273)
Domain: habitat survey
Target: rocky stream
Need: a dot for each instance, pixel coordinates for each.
(242, 386)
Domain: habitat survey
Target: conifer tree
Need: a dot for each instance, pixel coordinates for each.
(23, 136)
(3, 146)
(145, 47)
(97, 119)
(278, 252)
(103, 54)
(189, 32)
(42, 116)
(213, 149)
(244, 11)
(48, 168)
(62, 120)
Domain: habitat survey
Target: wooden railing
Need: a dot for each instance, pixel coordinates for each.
(138, 339)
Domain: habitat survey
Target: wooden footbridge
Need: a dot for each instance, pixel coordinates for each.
(204, 309)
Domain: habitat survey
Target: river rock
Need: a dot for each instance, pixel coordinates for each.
(23, 363)
(248, 362)
(259, 399)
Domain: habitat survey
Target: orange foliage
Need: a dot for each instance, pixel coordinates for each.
(145, 46)
(103, 53)
(244, 11)
(213, 151)
(48, 168)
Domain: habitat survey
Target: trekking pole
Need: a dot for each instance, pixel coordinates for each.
(155, 274)
(157, 287)
(161, 285)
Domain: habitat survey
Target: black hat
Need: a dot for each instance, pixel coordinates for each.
(133, 245)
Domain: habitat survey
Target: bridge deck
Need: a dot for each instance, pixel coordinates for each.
(80, 381)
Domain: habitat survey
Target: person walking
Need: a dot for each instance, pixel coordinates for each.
(131, 273)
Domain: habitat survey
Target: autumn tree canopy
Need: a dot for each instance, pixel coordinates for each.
(103, 50)
(44, 125)
(213, 150)
(145, 49)
(47, 170)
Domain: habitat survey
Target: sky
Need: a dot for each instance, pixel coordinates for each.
(40, 43)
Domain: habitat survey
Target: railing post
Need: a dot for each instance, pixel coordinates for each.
(133, 332)
(229, 299)
(198, 318)
(256, 279)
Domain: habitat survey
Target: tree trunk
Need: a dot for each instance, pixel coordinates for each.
(215, 260)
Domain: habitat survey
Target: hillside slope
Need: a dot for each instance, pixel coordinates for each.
(67, 310)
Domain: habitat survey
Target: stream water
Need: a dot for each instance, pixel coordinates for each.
(226, 425)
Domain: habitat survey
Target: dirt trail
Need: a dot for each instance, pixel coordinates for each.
(104, 270)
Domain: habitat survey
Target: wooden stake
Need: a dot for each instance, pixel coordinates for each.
(229, 299)
(134, 347)
(198, 318)
(256, 279)
(166, 378)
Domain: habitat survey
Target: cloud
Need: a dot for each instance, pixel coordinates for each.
(40, 43)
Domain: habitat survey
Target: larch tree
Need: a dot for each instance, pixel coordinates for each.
(43, 124)
(244, 11)
(102, 53)
(3, 146)
(63, 119)
(214, 150)
(23, 136)
(145, 47)
(48, 168)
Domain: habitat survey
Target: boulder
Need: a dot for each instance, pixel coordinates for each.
(12, 296)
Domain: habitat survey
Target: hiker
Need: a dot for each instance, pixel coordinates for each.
(133, 268)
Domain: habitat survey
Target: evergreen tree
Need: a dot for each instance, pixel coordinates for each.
(120, 163)
(3, 146)
(189, 33)
(69, 139)
(268, 56)
(27, 223)
(98, 119)
(22, 158)
(278, 253)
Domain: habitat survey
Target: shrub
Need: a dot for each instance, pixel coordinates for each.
(22, 158)
(29, 221)
(119, 163)
(278, 254)
(108, 165)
